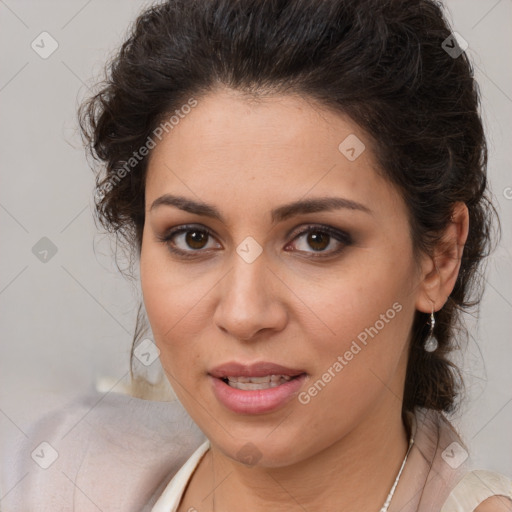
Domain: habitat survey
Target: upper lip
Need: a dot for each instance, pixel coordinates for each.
(261, 369)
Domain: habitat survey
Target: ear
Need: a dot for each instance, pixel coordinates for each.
(439, 272)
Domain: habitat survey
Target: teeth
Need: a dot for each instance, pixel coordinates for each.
(259, 380)
(252, 383)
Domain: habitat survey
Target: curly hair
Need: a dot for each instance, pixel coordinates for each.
(384, 63)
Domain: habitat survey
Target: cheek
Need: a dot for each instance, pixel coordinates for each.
(361, 363)
(164, 298)
(175, 307)
(361, 328)
(357, 296)
(157, 299)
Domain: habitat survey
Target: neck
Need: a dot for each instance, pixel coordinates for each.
(353, 474)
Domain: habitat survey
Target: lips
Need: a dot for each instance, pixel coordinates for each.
(261, 369)
(255, 388)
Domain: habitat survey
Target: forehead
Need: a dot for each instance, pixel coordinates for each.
(250, 151)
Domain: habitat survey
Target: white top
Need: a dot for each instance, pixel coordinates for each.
(475, 487)
(170, 498)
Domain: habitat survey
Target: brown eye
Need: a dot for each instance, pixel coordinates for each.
(187, 240)
(196, 239)
(320, 241)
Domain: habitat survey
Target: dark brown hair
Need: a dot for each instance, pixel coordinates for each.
(384, 63)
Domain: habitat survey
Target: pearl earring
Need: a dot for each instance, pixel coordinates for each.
(431, 342)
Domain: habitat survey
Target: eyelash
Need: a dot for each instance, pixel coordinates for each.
(341, 236)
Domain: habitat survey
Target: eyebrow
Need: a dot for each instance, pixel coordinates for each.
(279, 214)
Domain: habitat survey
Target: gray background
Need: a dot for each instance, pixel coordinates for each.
(66, 324)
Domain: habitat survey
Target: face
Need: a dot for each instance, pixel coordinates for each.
(265, 241)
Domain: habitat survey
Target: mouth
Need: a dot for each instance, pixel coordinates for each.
(254, 371)
(255, 388)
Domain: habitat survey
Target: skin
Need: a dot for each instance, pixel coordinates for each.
(343, 449)
(495, 504)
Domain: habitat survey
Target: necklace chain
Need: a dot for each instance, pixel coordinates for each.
(384, 507)
(392, 492)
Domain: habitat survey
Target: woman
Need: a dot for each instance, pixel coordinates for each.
(305, 185)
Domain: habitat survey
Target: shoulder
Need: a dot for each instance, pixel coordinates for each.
(495, 504)
(464, 490)
(112, 450)
(481, 491)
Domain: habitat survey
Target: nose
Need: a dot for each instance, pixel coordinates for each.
(252, 301)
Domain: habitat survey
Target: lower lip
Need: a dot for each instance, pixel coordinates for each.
(256, 401)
